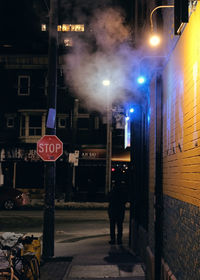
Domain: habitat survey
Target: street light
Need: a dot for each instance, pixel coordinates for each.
(141, 80)
(155, 39)
(106, 83)
(146, 69)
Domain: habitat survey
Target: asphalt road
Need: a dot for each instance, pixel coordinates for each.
(69, 224)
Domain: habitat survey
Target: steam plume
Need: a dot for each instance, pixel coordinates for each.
(112, 59)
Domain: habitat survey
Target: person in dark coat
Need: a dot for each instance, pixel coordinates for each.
(116, 212)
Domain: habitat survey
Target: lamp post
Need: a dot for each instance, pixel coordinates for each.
(106, 83)
(155, 39)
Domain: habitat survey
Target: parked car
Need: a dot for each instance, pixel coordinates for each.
(11, 198)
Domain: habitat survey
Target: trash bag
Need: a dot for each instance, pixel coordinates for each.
(4, 263)
(9, 239)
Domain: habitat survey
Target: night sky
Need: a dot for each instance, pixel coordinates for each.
(20, 21)
(16, 22)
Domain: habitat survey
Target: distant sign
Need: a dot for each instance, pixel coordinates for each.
(74, 157)
(49, 148)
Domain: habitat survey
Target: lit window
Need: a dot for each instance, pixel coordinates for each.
(65, 27)
(23, 85)
(71, 27)
(68, 42)
(77, 27)
(43, 27)
(10, 122)
(59, 28)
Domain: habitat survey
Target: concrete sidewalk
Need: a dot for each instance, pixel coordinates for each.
(93, 258)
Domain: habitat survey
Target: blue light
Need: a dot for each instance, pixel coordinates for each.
(141, 80)
(131, 110)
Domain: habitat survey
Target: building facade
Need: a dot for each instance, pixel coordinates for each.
(169, 243)
(24, 110)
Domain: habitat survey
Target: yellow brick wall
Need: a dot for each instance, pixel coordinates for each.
(181, 123)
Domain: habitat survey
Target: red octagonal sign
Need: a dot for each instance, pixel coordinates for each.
(49, 148)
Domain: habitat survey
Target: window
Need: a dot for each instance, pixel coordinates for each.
(23, 85)
(71, 27)
(62, 122)
(35, 125)
(77, 27)
(23, 128)
(10, 122)
(59, 28)
(66, 27)
(43, 27)
(96, 123)
(68, 42)
(32, 125)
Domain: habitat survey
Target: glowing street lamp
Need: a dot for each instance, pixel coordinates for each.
(155, 39)
(106, 83)
(141, 80)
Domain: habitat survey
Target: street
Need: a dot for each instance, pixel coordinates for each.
(81, 244)
(70, 225)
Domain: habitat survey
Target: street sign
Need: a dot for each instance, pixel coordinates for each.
(74, 157)
(49, 148)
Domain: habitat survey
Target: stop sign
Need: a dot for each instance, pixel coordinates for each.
(49, 148)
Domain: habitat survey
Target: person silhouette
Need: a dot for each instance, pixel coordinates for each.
(116, 212)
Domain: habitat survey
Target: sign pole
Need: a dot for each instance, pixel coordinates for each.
(50, 167)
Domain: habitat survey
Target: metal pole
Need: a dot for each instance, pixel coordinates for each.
(136, 162)
(50, 167)
(108, 146)
(158, 183)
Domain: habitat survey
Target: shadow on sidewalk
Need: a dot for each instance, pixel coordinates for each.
(120, 256)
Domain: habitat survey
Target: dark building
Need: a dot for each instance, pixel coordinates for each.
(24, 103)
(164, 167)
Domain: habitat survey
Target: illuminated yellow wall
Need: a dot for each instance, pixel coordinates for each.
(181, 126)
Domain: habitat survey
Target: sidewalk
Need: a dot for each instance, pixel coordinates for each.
(61, 204)
(92, 259)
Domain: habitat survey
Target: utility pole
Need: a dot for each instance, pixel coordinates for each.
(108, 151)
(109, 139)
(50, 167)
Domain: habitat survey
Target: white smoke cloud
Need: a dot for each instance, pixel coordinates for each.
(112, 59)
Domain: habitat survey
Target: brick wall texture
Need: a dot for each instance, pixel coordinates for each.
(181, 154)
(181, 238)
